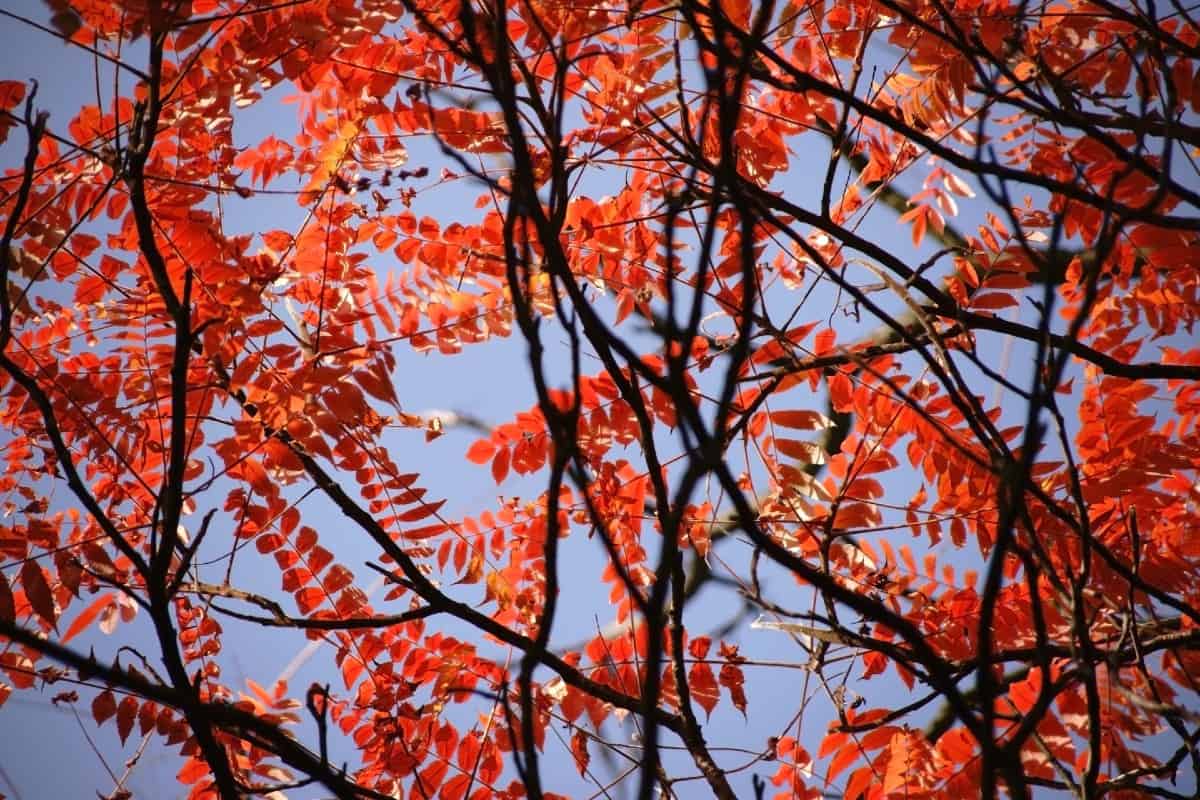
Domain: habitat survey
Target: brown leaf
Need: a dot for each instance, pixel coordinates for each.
(67, 23)
(37, 591)
(579, 742)
(8, 611)
(104, 706)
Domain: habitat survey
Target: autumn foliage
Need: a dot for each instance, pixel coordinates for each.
(859, 425)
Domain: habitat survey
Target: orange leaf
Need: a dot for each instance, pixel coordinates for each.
(804, 452)
(625, 303)
(898, 765)
(481, 451)
(260, 692)
(957, 185)
(920, 221)
(841, 393)
(802, 419)
(844, 758)
(957, 746)
(193, 771)
(832, 742)
(824, 340)
(253, 473)
(500, 464)
(838, 18)
(88, 616)
(406, 251)
(859, 781)
(877, 738)
(878, 461)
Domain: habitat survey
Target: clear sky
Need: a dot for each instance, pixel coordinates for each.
(53, 756)
(56, 751)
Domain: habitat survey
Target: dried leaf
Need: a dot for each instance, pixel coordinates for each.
(37, 592)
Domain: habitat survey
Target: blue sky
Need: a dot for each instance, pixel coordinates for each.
(52, 756)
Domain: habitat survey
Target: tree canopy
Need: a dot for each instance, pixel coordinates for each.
(834, 364)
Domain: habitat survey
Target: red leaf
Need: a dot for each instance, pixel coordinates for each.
(481, 451)
(804, 452)
(421, 512)
(455, 788)
(269, 542)
(802, 419)
(193, 771)
(126, 713)
(338, 577)
(104, 706)
(824, 340)
(579, 742)
(352, 669)
(625, 302)
(406, 251)
(573, 704)
(877, 738)
(425, 531)
(844, 758)
(878, 461)
(253, 473)
(500, 465)
(11, 93)
(295, 578)
(832, 742)
(37, 592)
(88, 616)
(994, 301)
(307, 600)
(734, 680)
(838, 18)
(699, 646)
(859, 781)
(841, 393)
(703, 685)
(318, 559)
(8, 607)
(146, 717)
(957, 746)
(433, 774)
(899, 761)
